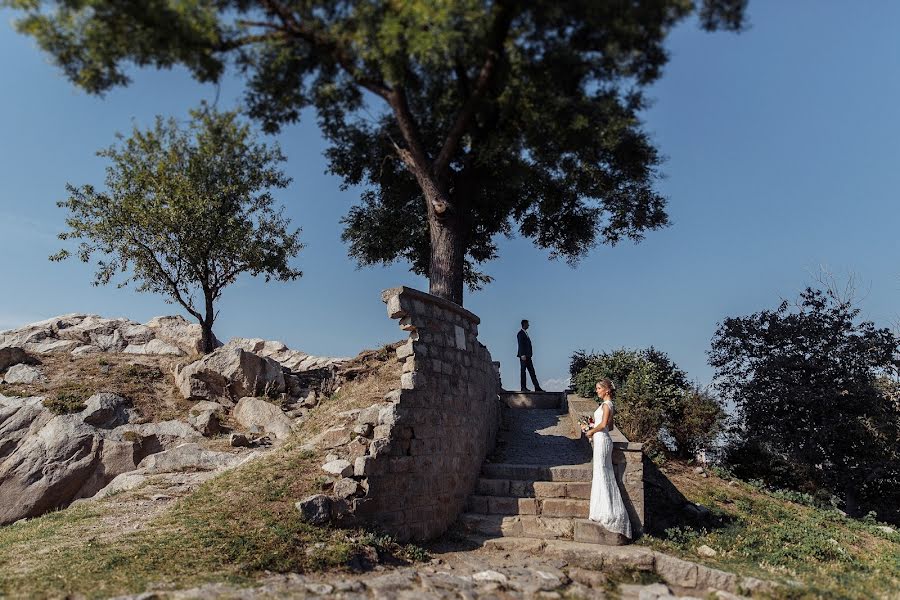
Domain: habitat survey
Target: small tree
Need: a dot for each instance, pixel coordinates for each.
(815, 389)
(655, 402)
(185, 212)
(461, 119)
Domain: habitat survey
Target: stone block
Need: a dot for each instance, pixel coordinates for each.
(340, 467)
(493, 487)
(578, 490)
(336, 436)
(406, 350)
(409, 381)
(565, 507)
(357, 448)
(522, 488)
(364, 466)
(594, 533)
(675, 571)
(546, 528)
(503, 505)
(369, 415)
(477, 504)
(549, 489)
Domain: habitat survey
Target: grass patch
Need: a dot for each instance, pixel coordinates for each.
(64, 403)
(233, 528)
(145, 380)
(786, 537)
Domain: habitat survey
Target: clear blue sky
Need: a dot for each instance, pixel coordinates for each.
(783, 148)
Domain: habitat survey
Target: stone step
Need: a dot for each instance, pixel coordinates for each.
(533, 400)
(547, 507)
(540, 527)
(576, 473)
(533, 489)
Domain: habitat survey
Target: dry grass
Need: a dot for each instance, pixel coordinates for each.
(148, 381)
(371, 375)
(232, 528)
(772, 536)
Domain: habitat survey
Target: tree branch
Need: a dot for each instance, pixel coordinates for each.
(416, 157)
(497, 37)
(328, 46)
(173, 287)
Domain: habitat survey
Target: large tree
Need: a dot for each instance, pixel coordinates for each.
(461, 119)
(186, 211)
(815, 388)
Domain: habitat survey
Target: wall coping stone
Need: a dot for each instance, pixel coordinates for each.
(425, 297)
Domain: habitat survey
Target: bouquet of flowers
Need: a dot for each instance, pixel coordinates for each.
(586, 423)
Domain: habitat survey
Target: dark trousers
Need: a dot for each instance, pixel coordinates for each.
(527, 364)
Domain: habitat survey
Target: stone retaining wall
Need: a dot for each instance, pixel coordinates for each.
(431, 436)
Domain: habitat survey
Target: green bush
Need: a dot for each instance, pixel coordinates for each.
(654, 399)
(64, 403)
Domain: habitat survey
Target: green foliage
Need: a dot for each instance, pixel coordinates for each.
(64, 403)
(654, 399)
(185, 212)
(455, 116)
(815, 390)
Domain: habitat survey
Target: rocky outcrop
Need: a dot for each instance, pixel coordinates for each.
(292, 360)
(12, 355)
(182, 459)
(228, 374)
(257, 413)
(47, 460)
(81, 334)
(178, 332)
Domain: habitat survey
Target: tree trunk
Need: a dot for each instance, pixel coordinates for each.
(445, 274)
(208, 340)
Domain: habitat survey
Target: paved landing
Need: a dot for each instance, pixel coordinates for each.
(540, 437)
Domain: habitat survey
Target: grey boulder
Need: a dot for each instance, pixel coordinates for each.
(12, 355)
(106, 410)
(256, 412)
(26, 374)
(229, 373)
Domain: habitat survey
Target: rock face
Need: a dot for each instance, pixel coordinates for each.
(47, 461)
(82, 334)
(106, 410)
(48, 468)
(178, 332)
(12, 355)
(255, 412)
(230, 373)
(293, 360)
(22, 373)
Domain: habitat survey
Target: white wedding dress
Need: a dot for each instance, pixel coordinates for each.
(607, 507)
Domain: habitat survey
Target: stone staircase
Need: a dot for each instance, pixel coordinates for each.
(538, 482)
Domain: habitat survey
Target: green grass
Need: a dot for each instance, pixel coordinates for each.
(768, 535)
(232, 529)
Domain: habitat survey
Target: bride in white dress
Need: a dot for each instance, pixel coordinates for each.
(607, 507)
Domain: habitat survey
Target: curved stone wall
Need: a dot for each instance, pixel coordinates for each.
(431, 436)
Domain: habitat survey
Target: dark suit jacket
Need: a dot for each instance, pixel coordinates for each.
(524, 344)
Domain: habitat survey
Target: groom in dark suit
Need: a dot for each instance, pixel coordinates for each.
(524, 355)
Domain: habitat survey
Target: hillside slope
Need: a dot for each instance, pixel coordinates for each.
(816, 552)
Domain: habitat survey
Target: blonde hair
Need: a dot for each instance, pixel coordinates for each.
(608, 385)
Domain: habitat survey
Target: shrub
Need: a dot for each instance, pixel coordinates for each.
(816, 392)
(64, 403)
(654, 399)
